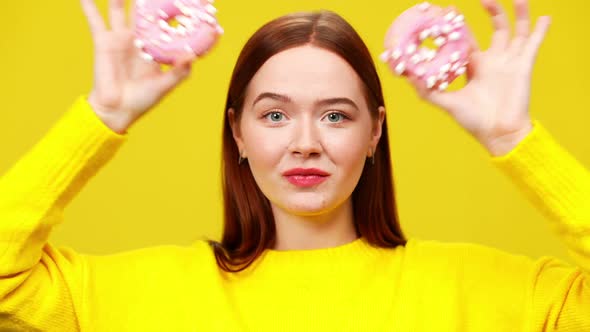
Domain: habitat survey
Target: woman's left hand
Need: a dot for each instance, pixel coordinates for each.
(494, 104)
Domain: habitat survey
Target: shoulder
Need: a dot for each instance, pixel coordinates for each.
(466, 250)
(472, 262)
(468, 261)
(175, 259)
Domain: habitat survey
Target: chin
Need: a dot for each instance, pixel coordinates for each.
(309, 204)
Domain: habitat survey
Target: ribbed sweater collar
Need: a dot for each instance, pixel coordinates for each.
(355, 247)
(354, 255)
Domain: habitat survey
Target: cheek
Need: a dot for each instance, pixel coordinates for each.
(347, 149)
(264, 147)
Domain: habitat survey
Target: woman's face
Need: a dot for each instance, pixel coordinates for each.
(305, 109)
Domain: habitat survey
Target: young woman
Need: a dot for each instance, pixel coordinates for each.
(311, 236)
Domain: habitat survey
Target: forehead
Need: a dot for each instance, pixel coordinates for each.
(307, 73)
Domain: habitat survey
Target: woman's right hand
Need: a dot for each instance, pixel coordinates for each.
(125, 85)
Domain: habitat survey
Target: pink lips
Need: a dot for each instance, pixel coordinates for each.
(306, 177)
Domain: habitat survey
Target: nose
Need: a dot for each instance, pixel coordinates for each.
(306, 139)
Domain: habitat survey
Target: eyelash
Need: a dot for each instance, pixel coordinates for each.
(344, 117)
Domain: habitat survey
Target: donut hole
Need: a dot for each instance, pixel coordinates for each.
(172, 22)
(429, 44)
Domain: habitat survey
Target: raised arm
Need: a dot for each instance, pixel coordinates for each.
(39, 284)
(558, 295)
(494, 108)
(42, 287)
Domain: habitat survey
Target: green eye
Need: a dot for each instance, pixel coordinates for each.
(275, 116)
(334, 117)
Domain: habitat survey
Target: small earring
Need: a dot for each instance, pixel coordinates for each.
(372, 157)
(241, 159)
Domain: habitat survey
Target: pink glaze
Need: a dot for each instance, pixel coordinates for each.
(196, 33)
(450, 59)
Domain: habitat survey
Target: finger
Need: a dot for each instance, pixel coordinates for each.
(536, 39)
(170, 79)
(95, 21)
(131, 18)
(445, 100)
(143, 67)
(186, 60)
(501, 35)
(522, 18)
(418, 85)
(522, 26)
(117, 14)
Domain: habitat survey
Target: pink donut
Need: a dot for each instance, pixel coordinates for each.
(437, 67)
(196, 32)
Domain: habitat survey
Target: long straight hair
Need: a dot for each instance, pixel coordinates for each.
(249, 226)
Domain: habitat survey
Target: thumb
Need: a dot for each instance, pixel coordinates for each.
(441, 99)
(175, 75)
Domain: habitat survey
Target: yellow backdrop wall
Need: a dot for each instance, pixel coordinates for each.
(163, 187)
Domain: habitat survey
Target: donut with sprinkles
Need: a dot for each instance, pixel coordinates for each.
(166, 30)
(407, 55)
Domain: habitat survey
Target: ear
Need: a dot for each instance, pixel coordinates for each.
(235, 129)
(377, 128)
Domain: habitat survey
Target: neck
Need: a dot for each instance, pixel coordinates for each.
(325, 230)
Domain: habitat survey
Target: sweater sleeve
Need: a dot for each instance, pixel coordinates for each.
(559, 186)
(41, 286)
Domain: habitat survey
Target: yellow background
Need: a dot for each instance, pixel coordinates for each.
(163, 186)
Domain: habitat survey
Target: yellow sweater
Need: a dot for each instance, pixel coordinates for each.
(424, 286)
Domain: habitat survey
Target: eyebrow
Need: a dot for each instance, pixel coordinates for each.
(318, 103)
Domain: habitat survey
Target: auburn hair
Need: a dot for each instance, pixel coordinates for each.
(249, 226)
